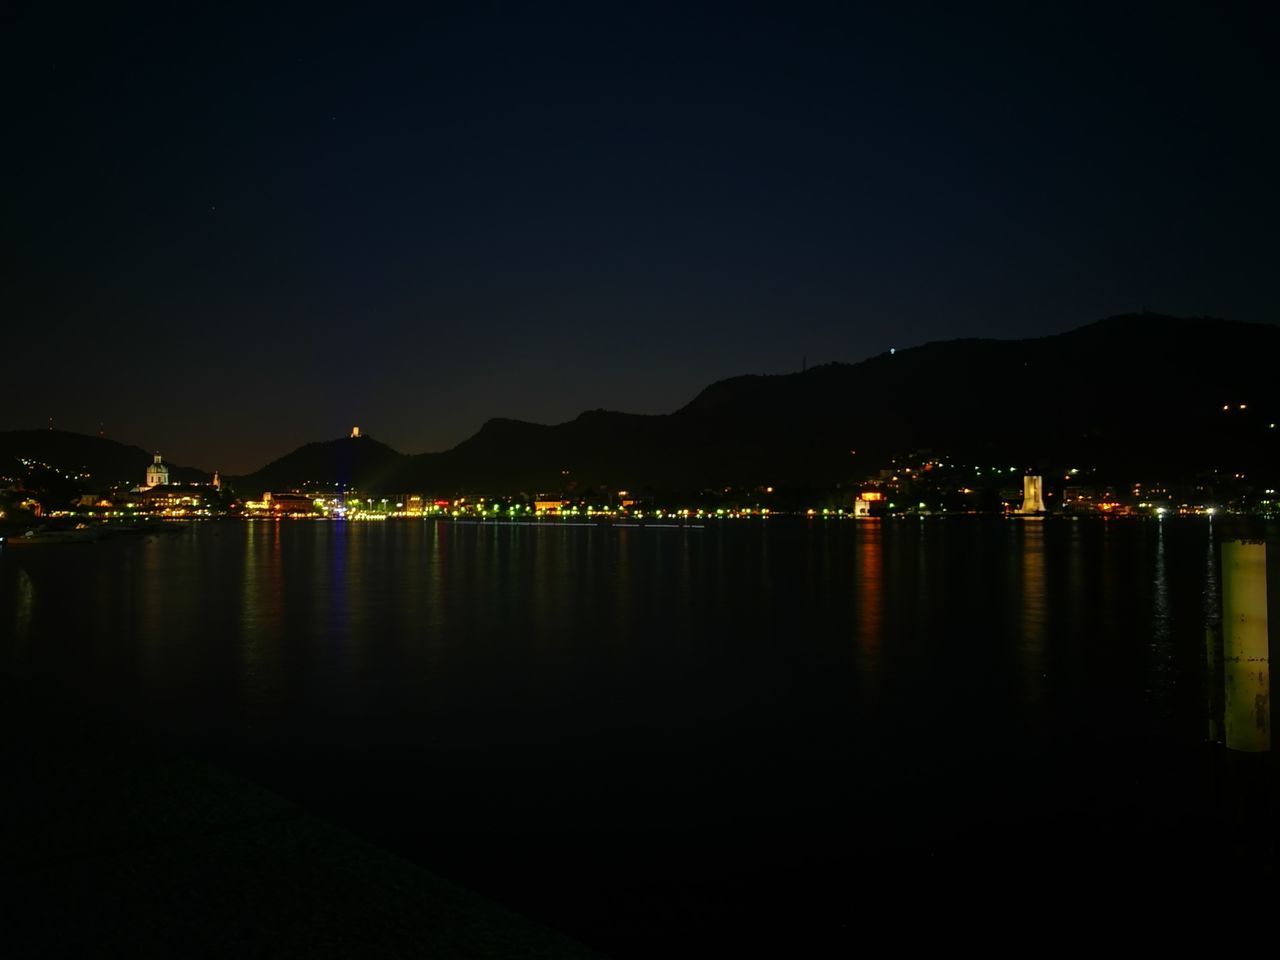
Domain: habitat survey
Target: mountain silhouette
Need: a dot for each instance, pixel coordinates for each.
(1138, 396)
(106, 462)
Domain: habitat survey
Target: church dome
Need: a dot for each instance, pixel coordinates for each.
(157, 473)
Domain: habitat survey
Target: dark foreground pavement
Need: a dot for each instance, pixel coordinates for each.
(180, 859)
(163, 857)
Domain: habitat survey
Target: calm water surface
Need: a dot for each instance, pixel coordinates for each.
(484, 698)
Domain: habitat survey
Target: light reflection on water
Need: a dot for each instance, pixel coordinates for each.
(258, 619)
(620, 675)
(1034, 609)
(1161, 644)
(868, 605)
(1212, 612)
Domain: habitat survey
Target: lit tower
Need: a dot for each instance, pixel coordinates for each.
(1032, 495)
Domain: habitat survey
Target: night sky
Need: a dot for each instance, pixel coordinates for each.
(226, 234)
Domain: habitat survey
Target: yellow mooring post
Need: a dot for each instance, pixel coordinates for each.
(1246, 663)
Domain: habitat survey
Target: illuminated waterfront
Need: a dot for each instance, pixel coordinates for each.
(528, 481)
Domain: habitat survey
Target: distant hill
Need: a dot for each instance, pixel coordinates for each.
(106, 461)
(1136, 395)
(352, 461)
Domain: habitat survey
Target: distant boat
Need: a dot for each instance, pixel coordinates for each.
(34, 537)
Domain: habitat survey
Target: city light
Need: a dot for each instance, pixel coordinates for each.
(930, 484)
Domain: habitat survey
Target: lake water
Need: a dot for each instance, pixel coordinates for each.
(612, 728)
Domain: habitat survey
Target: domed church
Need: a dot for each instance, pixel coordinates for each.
(157, 473)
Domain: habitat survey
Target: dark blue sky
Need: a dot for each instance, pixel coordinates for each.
(225, 234)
